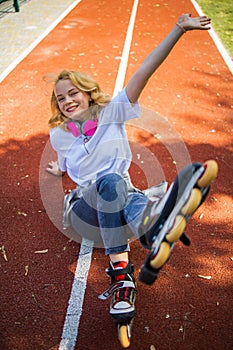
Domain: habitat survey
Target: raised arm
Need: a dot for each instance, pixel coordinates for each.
(158, 55)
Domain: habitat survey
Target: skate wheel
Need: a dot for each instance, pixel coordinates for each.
(193, 202)
(210, 173)
(177, 229)
(162, 256)
(123, 336)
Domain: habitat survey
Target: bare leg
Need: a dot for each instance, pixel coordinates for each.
(119, 257)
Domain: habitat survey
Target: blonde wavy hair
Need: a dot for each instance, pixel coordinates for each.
(84, 83)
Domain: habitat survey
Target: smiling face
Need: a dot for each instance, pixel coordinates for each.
(72, 102)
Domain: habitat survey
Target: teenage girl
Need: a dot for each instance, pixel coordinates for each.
(88, 134)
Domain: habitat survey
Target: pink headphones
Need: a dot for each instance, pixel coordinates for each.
(87, 128)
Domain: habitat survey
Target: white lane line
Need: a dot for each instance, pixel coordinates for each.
(12, 66)
(75, 304)
(74, 310)
(125, 54)
(216, 40)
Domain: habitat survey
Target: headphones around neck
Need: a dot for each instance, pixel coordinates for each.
(87, 128)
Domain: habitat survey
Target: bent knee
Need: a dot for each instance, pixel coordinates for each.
(111, 186)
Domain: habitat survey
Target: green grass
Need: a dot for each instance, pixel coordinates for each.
(221, 14)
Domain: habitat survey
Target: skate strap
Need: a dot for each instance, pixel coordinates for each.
(118, 285)
(119, 271)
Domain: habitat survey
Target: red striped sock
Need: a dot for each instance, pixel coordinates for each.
(120, 265)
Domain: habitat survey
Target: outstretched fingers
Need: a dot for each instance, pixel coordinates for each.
(190, 23)
(201, 22)
(204, 22)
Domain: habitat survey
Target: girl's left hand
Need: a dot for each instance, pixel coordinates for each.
(189, 23)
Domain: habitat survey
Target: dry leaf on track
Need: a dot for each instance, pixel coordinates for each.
(41, 251)
(4, 253)
(205, 277)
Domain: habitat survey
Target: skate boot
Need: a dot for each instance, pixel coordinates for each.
(123, 291)
(163, 224)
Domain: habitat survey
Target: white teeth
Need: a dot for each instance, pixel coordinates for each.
(71, 109)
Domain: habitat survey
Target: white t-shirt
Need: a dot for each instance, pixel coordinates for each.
(107, 151)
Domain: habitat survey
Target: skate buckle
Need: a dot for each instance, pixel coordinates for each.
(121, 284)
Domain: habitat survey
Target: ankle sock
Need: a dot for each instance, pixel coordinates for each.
(119, 265)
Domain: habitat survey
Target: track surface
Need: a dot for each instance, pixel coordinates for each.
(190, 306)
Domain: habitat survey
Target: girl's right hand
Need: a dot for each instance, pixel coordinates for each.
(54, 169)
